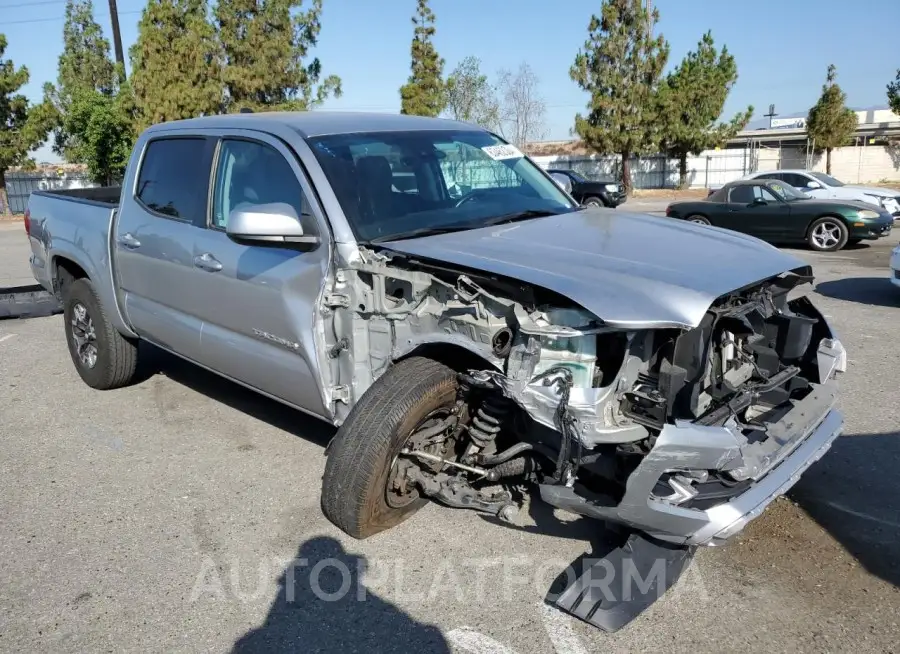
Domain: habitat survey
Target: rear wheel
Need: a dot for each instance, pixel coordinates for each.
(363, 489)
(103, 357)
(827, 234)
(698, 219)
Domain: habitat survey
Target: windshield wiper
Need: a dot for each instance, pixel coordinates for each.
(446, 229)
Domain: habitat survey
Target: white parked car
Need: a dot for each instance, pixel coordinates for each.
(820, 185)
(895, 266)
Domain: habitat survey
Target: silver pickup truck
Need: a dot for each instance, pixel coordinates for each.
(425, 287)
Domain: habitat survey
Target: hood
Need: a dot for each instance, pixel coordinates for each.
(826, 204)
(630, 270)
(874, 190)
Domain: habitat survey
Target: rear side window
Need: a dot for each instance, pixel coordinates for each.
(174, 178)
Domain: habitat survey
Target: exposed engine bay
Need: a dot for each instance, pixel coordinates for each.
(652, 428)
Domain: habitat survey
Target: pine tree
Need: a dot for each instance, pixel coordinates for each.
(692, 100)
(175, 63)
(893, 94)
(264, 46)
(88, 80)
(22, 127)
(830, 123)
(423, 93)
(620, 65)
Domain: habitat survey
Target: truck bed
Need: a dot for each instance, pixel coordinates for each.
(105, 195)
(73, 226)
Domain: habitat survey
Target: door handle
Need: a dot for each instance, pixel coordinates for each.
(129, 241)
(207, 262)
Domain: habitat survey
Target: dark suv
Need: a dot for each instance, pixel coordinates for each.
(599, 193)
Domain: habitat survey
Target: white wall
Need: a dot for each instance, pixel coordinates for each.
(852, 165)
(864, 163)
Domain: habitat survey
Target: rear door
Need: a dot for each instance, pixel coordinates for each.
(161, 216)
(258, 302)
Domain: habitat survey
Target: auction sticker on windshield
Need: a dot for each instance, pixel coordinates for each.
(502, 151)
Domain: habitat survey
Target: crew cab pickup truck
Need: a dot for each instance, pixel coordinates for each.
(654, 375)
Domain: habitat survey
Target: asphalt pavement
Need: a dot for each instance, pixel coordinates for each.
(182, 515)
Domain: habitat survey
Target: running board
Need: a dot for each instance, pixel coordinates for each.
(616, 589)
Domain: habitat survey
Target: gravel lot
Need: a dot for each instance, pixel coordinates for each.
(162, 517)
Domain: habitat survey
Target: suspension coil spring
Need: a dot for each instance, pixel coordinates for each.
(488, 420)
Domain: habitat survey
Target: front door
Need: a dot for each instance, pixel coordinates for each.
(259, 301)
(154, 241)
(754, 210)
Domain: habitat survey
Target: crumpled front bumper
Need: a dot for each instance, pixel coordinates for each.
(796, 441)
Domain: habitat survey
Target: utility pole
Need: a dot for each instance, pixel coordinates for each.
(117, 37)
(650, 18)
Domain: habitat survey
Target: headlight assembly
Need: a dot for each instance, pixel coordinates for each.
(867, 214)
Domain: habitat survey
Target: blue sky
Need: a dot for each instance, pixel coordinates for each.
(782, 47)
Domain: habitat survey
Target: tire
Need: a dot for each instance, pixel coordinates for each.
(355, 483)
(827, 234)
(28, 302)
(593, 201)
(698, 219)
(115, 357)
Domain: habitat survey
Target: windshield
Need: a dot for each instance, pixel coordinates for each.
(395, 183)
(788, 192)
(827, 179)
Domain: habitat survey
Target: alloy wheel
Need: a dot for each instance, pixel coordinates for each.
(84, 335)
(826, 234)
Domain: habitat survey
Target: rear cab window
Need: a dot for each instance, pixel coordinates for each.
(173, 180)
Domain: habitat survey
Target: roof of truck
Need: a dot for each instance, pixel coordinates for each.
(320, 123)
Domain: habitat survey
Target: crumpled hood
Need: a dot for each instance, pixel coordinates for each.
(630, 270)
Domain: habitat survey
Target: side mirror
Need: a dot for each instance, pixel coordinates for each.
(811, 184)
(276, 222)
(758, 202)
(562, 181)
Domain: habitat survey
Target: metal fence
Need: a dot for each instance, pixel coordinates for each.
(710, 169)
(19, 185)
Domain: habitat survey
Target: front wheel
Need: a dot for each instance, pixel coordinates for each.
(827, 235)
(593, 201)
(364, 490)
(103, 357)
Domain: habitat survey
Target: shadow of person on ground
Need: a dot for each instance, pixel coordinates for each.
(854, 494)
(323, 606)
(875, 291)
(155, 361)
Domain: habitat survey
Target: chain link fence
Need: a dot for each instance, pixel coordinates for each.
(20, 184)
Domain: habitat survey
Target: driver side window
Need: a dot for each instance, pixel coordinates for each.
(250, 173)
(762, 193)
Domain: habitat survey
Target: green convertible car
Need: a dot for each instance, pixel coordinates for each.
(778, 213)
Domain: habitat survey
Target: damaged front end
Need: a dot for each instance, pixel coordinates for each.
(685, 434)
